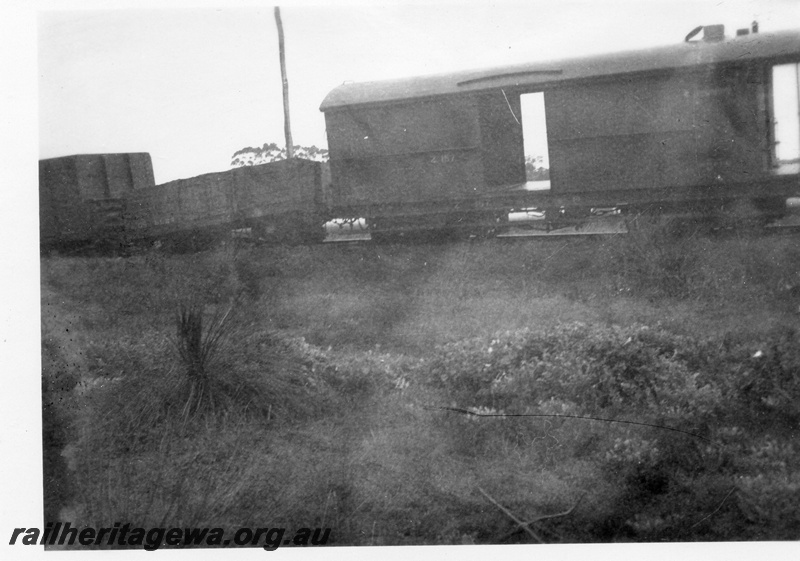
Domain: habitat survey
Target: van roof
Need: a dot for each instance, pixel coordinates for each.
(780, 46)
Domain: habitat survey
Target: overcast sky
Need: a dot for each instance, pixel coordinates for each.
(191, 85)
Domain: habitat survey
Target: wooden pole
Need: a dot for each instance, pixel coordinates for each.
(287, 125)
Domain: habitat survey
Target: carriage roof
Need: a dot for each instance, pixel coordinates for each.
(777, 46)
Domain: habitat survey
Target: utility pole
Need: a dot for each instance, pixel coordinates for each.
(287, 125)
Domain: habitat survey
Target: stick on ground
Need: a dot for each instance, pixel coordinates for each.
(508, 513)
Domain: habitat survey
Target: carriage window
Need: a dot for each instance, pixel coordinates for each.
(786, 117)
(534, 133)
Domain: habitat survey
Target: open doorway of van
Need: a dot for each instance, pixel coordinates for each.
(786, 117)
(534, 135)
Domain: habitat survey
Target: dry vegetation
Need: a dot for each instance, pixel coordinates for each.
(310, 386)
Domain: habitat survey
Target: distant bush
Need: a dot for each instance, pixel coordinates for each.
(535, 170)
(271, 152)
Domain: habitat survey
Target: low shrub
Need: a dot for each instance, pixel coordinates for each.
(598, 369)
(682, 416)
(768, 381)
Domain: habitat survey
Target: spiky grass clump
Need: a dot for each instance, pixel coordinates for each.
(198, 347)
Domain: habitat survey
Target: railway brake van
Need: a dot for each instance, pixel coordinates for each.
(706, 123)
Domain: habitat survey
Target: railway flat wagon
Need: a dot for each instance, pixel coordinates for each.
(81, 197)
(703, 124)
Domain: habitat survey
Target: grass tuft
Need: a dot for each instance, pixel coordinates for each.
(198, 347)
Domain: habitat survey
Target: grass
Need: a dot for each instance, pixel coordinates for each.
(324, 389)
(198, 347)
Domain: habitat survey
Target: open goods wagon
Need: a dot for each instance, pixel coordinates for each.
(280, 200)
(111, 200)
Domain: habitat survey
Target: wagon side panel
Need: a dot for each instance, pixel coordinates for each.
(624, 134)
(732, 140)
(427, 150)
(63, 216)
(141, 169)
(288, 186)
(682, 129)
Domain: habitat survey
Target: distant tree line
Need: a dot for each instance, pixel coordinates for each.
(535, 170)
(271, 152)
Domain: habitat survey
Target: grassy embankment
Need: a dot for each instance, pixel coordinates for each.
(321, 402)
